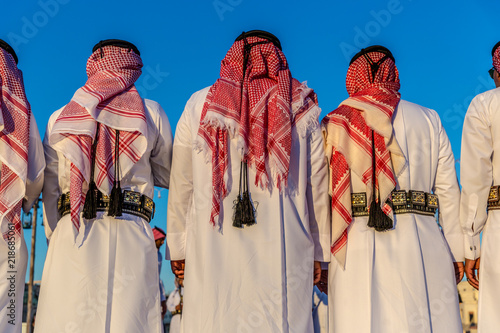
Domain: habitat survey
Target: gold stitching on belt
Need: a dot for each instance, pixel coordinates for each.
(494, 198)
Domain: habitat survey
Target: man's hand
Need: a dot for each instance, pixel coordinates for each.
(472, 271)
(163, 309)
(317, 272)
(178, 268)
(459, 271)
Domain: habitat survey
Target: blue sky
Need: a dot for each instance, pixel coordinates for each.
(442, 51)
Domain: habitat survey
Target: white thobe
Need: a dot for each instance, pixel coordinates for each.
(258, 278)
(402, 280)
(173, 300)
(479, 170)
(12, 284)
(110, 282)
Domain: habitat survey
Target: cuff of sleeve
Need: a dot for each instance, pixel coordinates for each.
(176, 246)
(455, 242)
(472, 247)
(322, 249)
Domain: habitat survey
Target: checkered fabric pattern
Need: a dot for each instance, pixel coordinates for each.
(261, 117)
(496, 59)
(14, 143)
(110, 98)
(349, 135)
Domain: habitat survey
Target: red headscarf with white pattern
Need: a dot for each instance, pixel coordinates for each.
(496, 57)
(14, 143)
(261, 116)
(349, 140)
(110, 98)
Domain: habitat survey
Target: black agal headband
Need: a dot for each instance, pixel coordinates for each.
(116, 42)
(494, 49)
(8, 48)
(261, 34)
(374, 66)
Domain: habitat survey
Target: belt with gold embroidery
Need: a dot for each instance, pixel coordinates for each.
(416, 202)
(133, 203)
(494, 198)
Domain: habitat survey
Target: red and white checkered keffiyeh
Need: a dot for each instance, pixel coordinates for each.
(262, 120)
(14, 143)
(110, 98)
(349, 139)
(496, 59)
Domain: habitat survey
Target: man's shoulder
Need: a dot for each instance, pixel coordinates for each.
(488, 96)
(416, 108)
(199, 96)
(53, 117)
(202, 93)
(195, 103)
(152, 106)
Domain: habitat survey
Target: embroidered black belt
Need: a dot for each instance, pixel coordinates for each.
(494, 198)
(417, 202)
(133, 203)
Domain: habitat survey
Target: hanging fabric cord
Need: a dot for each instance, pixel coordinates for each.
(90, 205)
(116, 196)
(377, 218)
(374, 66)
(244, 210)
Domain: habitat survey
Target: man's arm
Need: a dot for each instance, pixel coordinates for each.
(36, 166)
(318, 199)
(161, 155)
(448, 192)
(51, 190)
(475, 174)
(181, 190)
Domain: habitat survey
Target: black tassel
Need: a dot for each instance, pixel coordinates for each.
(244, 210)
(377, 218)
(115, 200)
(238, 212)
(248, 210)
(90, 206)
(116, 196)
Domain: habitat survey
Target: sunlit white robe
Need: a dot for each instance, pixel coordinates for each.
(402, 280)
(109, 283)
(479, 170)
(259, 278)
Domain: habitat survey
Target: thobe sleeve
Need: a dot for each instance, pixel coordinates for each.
(475, 175)
(448, 192)
(181, 189)
(161, 155)
(318, 200)
(36, 165)
(51, 190)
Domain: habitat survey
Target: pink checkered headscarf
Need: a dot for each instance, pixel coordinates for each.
(370, 106)
(256, 107)
(110, 98)
(15, 114)
(496, 58)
